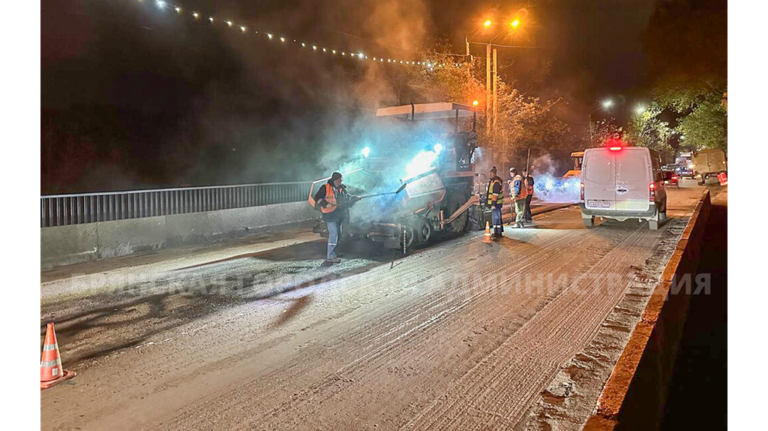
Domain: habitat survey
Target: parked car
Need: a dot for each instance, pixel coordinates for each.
(684, 172)
(620, 183)
(670, 176)
(671, 179)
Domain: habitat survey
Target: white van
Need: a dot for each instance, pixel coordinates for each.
(621, 183)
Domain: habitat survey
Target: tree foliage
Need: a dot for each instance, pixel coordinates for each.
(522, 121)
(686, 45)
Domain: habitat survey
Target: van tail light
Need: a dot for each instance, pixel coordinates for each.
(581, 193)
(652, 192)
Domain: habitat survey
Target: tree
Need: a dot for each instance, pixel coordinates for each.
(523, 121)
(691, 73)
(604, 130)
(706, 126)
(646, 129)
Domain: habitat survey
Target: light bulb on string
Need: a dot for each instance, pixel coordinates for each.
(178, 9)
(242, 28)
(229, 23)
(282, 39)
(196, 15)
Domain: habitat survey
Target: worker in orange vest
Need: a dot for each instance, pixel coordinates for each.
(518, 192)
(328, 199)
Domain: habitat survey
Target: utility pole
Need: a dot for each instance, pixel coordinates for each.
(495, 90)
(488, 87)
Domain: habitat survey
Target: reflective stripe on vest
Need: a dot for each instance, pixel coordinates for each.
(489, 194)
(330, 198)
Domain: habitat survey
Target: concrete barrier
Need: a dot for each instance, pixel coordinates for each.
(65, 245)
(635, 393)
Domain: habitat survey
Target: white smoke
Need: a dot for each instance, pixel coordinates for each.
(549, 184)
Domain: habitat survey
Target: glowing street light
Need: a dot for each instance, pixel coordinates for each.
(474, 103)
(515, 23)
(366, 151)
(487, 23)
(161, 4)
(639, 109)
(606, 104)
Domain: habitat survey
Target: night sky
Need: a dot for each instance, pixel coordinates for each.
(136, 97)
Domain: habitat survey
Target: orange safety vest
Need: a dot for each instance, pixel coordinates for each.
(523, 188)
(330, 197)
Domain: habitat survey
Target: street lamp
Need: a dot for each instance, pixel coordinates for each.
(491, 72)
(639, 109)
(606, 104)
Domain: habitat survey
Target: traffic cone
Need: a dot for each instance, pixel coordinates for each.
(487, 239)
(51, 371)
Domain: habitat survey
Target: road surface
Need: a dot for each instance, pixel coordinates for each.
(259, 334)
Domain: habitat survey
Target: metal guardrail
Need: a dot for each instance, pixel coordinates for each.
(63, 210)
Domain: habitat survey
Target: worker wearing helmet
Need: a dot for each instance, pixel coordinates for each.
(495, 200)
(519, 193)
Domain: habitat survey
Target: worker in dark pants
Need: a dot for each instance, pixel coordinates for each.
(333, 201)
(528, 185)
(495, 200)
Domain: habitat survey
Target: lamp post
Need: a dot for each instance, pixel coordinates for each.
(491, 72)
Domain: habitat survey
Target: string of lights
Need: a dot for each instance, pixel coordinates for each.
(283, 39)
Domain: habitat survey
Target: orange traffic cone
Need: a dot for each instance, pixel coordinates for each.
(51, 371)
(487, 239)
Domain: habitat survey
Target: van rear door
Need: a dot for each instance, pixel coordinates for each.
(599, 175)
(633, 177)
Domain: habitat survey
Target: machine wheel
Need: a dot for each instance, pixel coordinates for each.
(589, 221)
(424, 233)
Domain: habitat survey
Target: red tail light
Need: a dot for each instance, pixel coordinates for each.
(614, 148)
(652, 192)
(581, 193)
(674, 177)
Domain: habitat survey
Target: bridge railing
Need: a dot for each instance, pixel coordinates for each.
(69, 209)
